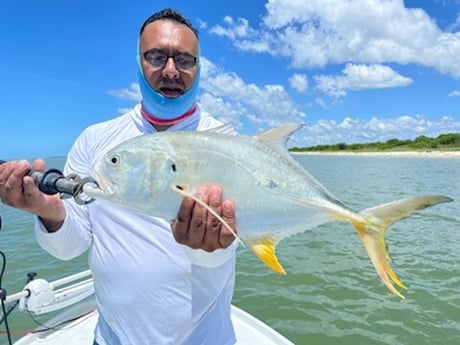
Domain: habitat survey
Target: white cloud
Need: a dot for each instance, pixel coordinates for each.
(455, 26)
(455, 93)
(132, 93)
(299, 82)
(316, 33)
(360, 77)
(225, 111)
(319, 101)
(239, 28)
(268, 104)
(202, 25)
(354, 130)
(124, 110)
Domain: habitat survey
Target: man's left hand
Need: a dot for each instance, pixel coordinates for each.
(197, 228)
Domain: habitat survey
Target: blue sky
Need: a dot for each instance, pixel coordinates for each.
(351, 70)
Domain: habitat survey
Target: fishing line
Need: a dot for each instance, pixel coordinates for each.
(48, 328)
(45, 327)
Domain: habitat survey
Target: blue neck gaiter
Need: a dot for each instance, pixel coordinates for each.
(164, 108)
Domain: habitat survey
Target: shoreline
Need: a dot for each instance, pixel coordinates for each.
(418, 154)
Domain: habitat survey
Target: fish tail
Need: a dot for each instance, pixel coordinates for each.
(371, 228)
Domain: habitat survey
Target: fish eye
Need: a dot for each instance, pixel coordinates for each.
(173, 167)
(115, 159)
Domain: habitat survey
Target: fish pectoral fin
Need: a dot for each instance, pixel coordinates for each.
(209, 209)
(264, 248)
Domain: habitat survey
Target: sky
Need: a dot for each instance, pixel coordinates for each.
(350, 70)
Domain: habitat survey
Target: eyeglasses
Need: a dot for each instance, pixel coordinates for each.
(183, 61)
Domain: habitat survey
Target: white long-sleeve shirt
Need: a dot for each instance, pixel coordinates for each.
(149, 289)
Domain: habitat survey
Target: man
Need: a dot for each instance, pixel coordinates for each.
(156, 282)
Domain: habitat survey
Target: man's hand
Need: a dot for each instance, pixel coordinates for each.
(18, 190)
(197, 228)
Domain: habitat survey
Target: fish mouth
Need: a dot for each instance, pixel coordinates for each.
(93, 191)
(102, 188)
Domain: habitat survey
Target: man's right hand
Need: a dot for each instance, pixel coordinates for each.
(18, 190)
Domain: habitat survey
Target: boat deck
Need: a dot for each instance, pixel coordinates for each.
(249, 331)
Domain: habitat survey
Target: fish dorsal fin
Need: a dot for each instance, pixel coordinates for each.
(264, 248)
(209, 209)
(277, 137)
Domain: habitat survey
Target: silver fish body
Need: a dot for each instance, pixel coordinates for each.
(274, 196)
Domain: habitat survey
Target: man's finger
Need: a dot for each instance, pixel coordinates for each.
(39, 164)
(228, 215)
(181, 224)
(11, 182)
(198, 221)
(213, 224)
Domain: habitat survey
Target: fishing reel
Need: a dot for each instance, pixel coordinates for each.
(53, 181)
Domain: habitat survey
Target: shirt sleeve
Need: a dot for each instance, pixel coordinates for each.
(74, 237)
(70, 241)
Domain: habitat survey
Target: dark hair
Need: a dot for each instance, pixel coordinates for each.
(169, 13)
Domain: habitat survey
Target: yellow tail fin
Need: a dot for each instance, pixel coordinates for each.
(377, 220)
(264, 248)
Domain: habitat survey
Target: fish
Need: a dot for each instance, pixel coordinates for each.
(274, 196)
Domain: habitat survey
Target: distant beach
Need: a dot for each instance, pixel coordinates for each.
(428, 154)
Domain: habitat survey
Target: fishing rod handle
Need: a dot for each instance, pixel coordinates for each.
(45, 180)
(53, 181)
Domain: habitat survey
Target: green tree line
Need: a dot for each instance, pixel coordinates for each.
(444, 142)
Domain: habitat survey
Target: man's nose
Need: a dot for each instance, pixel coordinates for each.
(170, 70)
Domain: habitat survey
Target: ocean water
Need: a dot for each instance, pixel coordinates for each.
(331, 293)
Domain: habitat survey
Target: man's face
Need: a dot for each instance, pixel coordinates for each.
(171, 39)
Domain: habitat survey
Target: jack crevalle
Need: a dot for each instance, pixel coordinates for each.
(274, 196)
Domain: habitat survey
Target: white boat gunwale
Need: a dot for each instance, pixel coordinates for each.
(76, 296)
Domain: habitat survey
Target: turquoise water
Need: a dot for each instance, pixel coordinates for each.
(331, 294)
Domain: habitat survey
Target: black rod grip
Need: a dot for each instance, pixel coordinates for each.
(51, 181)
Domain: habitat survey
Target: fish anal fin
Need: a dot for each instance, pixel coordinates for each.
(264, 248)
